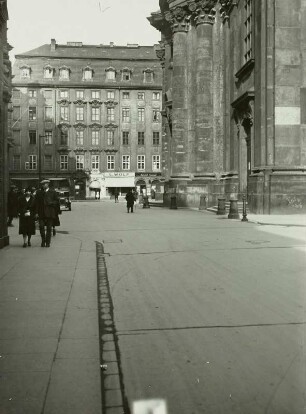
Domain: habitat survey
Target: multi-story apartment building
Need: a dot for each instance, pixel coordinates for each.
(5, 94)
(88, 117)
(234, 101)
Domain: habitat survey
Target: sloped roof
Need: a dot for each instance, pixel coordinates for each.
(134, 52)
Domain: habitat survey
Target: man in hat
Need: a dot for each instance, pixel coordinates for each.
(46, 204)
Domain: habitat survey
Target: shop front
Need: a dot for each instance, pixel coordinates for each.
(119, 182)
(150, 184)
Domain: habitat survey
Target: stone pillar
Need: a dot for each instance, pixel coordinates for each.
(204, 98)
(179, 19)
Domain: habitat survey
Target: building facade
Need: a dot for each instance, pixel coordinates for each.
(5, 95)
(88, 118)
(234, 92)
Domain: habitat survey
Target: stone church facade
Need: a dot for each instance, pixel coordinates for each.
(234, 101)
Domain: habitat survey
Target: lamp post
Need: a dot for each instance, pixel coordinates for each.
(39, 157)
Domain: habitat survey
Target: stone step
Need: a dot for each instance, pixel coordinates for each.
(214, 209)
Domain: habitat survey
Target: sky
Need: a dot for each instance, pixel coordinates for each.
(35, 22)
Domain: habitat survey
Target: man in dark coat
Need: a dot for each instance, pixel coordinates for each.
(130, 199)
(12, 205)
(46, 204)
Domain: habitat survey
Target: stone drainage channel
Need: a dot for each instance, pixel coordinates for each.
(114, 400)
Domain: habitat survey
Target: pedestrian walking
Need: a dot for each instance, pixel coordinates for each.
(130, 199)
(26, 211)
(12, 205)
(46, 204)
(56, 222)
(116, 196)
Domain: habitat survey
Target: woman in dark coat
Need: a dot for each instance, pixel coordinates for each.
(26, 216)
(130, 199)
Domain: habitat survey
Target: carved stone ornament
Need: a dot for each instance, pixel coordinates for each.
(110, 150)
(226, 7)
(110, 69)
(179, 19)
(126, 69)
(64, 126)
(95, 125)
(96, 102)
(79, 102)
(110, 103)
(64, 102)
(95, 150)
(205, 12)
(79, 126)
(110, 125)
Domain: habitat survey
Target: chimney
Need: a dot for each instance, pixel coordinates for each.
(53, 45)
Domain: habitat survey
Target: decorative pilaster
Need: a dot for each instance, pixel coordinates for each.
(179, 20)
(204, 19)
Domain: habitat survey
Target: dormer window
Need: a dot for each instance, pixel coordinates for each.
(110, 74)
(25, 71)
(87, 73)
(148, 75)
(126, 74)
(48, 72)
(64, 73)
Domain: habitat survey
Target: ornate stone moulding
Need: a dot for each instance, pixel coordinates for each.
(80, 150)
(111, 150)
(80, 102)
(110, 103)
(110, 125)
(80, 125)
(64, 102)
(95, 125)
(64, 126)
(95, 102)
(94, 150)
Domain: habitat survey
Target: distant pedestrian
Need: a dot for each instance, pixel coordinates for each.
(116, 196)
(26, 210)
(46, 205)
(12, 205)
(130, 199)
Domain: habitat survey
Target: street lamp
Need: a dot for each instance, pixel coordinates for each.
(39, 157)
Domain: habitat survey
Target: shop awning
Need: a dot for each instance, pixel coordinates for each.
(119, 182)
(95, 185)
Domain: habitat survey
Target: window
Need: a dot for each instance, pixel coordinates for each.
(248, 31)
(80, 113)
(16, 94)
(32, 162)
(110, 137)
(95, 94)
(155, 138)
(126, 95)
(95, 114)
(156, 115)
(48, 113)
(125, 162)
(79, 162)
(110, 162)
(32, 93)
(25, 72)
(16, 113)
(63, 162)
(64, 113)
(64, 74)
(32, 137)
(156, 162)
(87, 74)
(141, 96)
(64, 138)
(148, 76)
(48, 94)
(94, 137)
(110, 114)
(48, 137)
(140, 138)
(156, 96)
(141, 114)
(126, 75)
(16, 136)
(95, 161)
(16, 162)
(140, 162)
(125, 138)
(79, 94)
(48, 72)
(80, 137)
(32, 113)
(125, 115)
(110, 95)
(111, 74)
(48, 162)
(63, 94)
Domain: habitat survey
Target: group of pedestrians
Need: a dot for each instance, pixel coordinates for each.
(41, 206)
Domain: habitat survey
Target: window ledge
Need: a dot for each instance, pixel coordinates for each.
(245, 70)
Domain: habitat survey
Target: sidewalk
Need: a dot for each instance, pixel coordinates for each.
(49, 334)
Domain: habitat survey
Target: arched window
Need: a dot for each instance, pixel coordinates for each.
(64, 73)
(87, 73)
(48, 72)
(110, 74)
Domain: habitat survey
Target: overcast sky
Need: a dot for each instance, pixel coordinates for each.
(34, 22)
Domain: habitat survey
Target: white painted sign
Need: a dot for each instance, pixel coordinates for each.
(287, 115)
(150, 407)
(121, 174)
